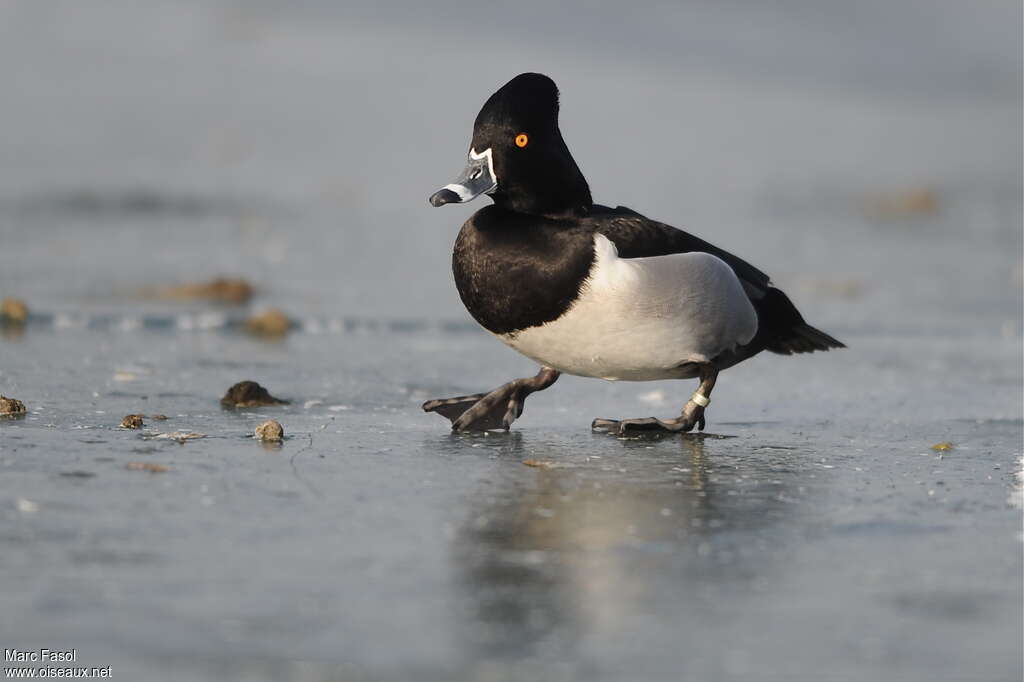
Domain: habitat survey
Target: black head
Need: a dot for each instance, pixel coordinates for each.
(518, 155)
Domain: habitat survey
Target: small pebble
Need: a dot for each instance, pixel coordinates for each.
(270, 431)
(13, 310)
(270, 323)
(132, 421)
(10, 406)
(158, 417)
(943, 446)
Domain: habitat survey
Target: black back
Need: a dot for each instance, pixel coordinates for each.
(636, 236)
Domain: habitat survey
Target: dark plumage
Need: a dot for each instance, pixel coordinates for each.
(532, 270)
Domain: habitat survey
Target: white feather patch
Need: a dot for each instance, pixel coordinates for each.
(640, 319)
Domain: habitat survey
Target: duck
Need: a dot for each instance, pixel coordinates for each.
(592, 291)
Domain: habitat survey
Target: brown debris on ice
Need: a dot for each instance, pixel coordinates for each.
(915, 202)
(13, 310)
(151, 467)
(222, 289)
(249, 394)
(11, 406)
(269, 323)
(132, 421)
(270, 431)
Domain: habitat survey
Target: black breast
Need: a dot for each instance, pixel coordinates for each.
(515, 271)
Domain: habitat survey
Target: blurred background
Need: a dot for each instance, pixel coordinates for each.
(867, 156)
(171, 168)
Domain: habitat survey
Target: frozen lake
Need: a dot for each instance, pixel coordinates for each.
(867, 156)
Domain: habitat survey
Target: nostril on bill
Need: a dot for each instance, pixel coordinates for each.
(443, 196)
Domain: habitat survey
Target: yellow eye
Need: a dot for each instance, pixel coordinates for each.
(522, 139)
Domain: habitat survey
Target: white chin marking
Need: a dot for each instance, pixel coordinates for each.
(640, 319)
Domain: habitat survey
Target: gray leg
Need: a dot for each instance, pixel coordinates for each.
(494, 410)
(692, 414)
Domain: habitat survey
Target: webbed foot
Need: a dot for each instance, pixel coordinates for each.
(692, 415)
(625, 427)
(494, 410)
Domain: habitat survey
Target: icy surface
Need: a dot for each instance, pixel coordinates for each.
(867, 155)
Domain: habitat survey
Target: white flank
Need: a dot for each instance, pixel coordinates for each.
(639, 319)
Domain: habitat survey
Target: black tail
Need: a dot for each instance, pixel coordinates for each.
(781, 328)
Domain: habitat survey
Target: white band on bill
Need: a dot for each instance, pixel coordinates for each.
(700, 399)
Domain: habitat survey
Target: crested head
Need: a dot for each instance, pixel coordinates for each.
(528, 100)
(534, 170)
(518, 156)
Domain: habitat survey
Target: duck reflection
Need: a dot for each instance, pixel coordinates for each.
(578, 547)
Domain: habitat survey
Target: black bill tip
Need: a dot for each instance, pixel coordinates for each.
(444, 196)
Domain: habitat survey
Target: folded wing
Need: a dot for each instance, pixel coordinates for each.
(781, 327)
